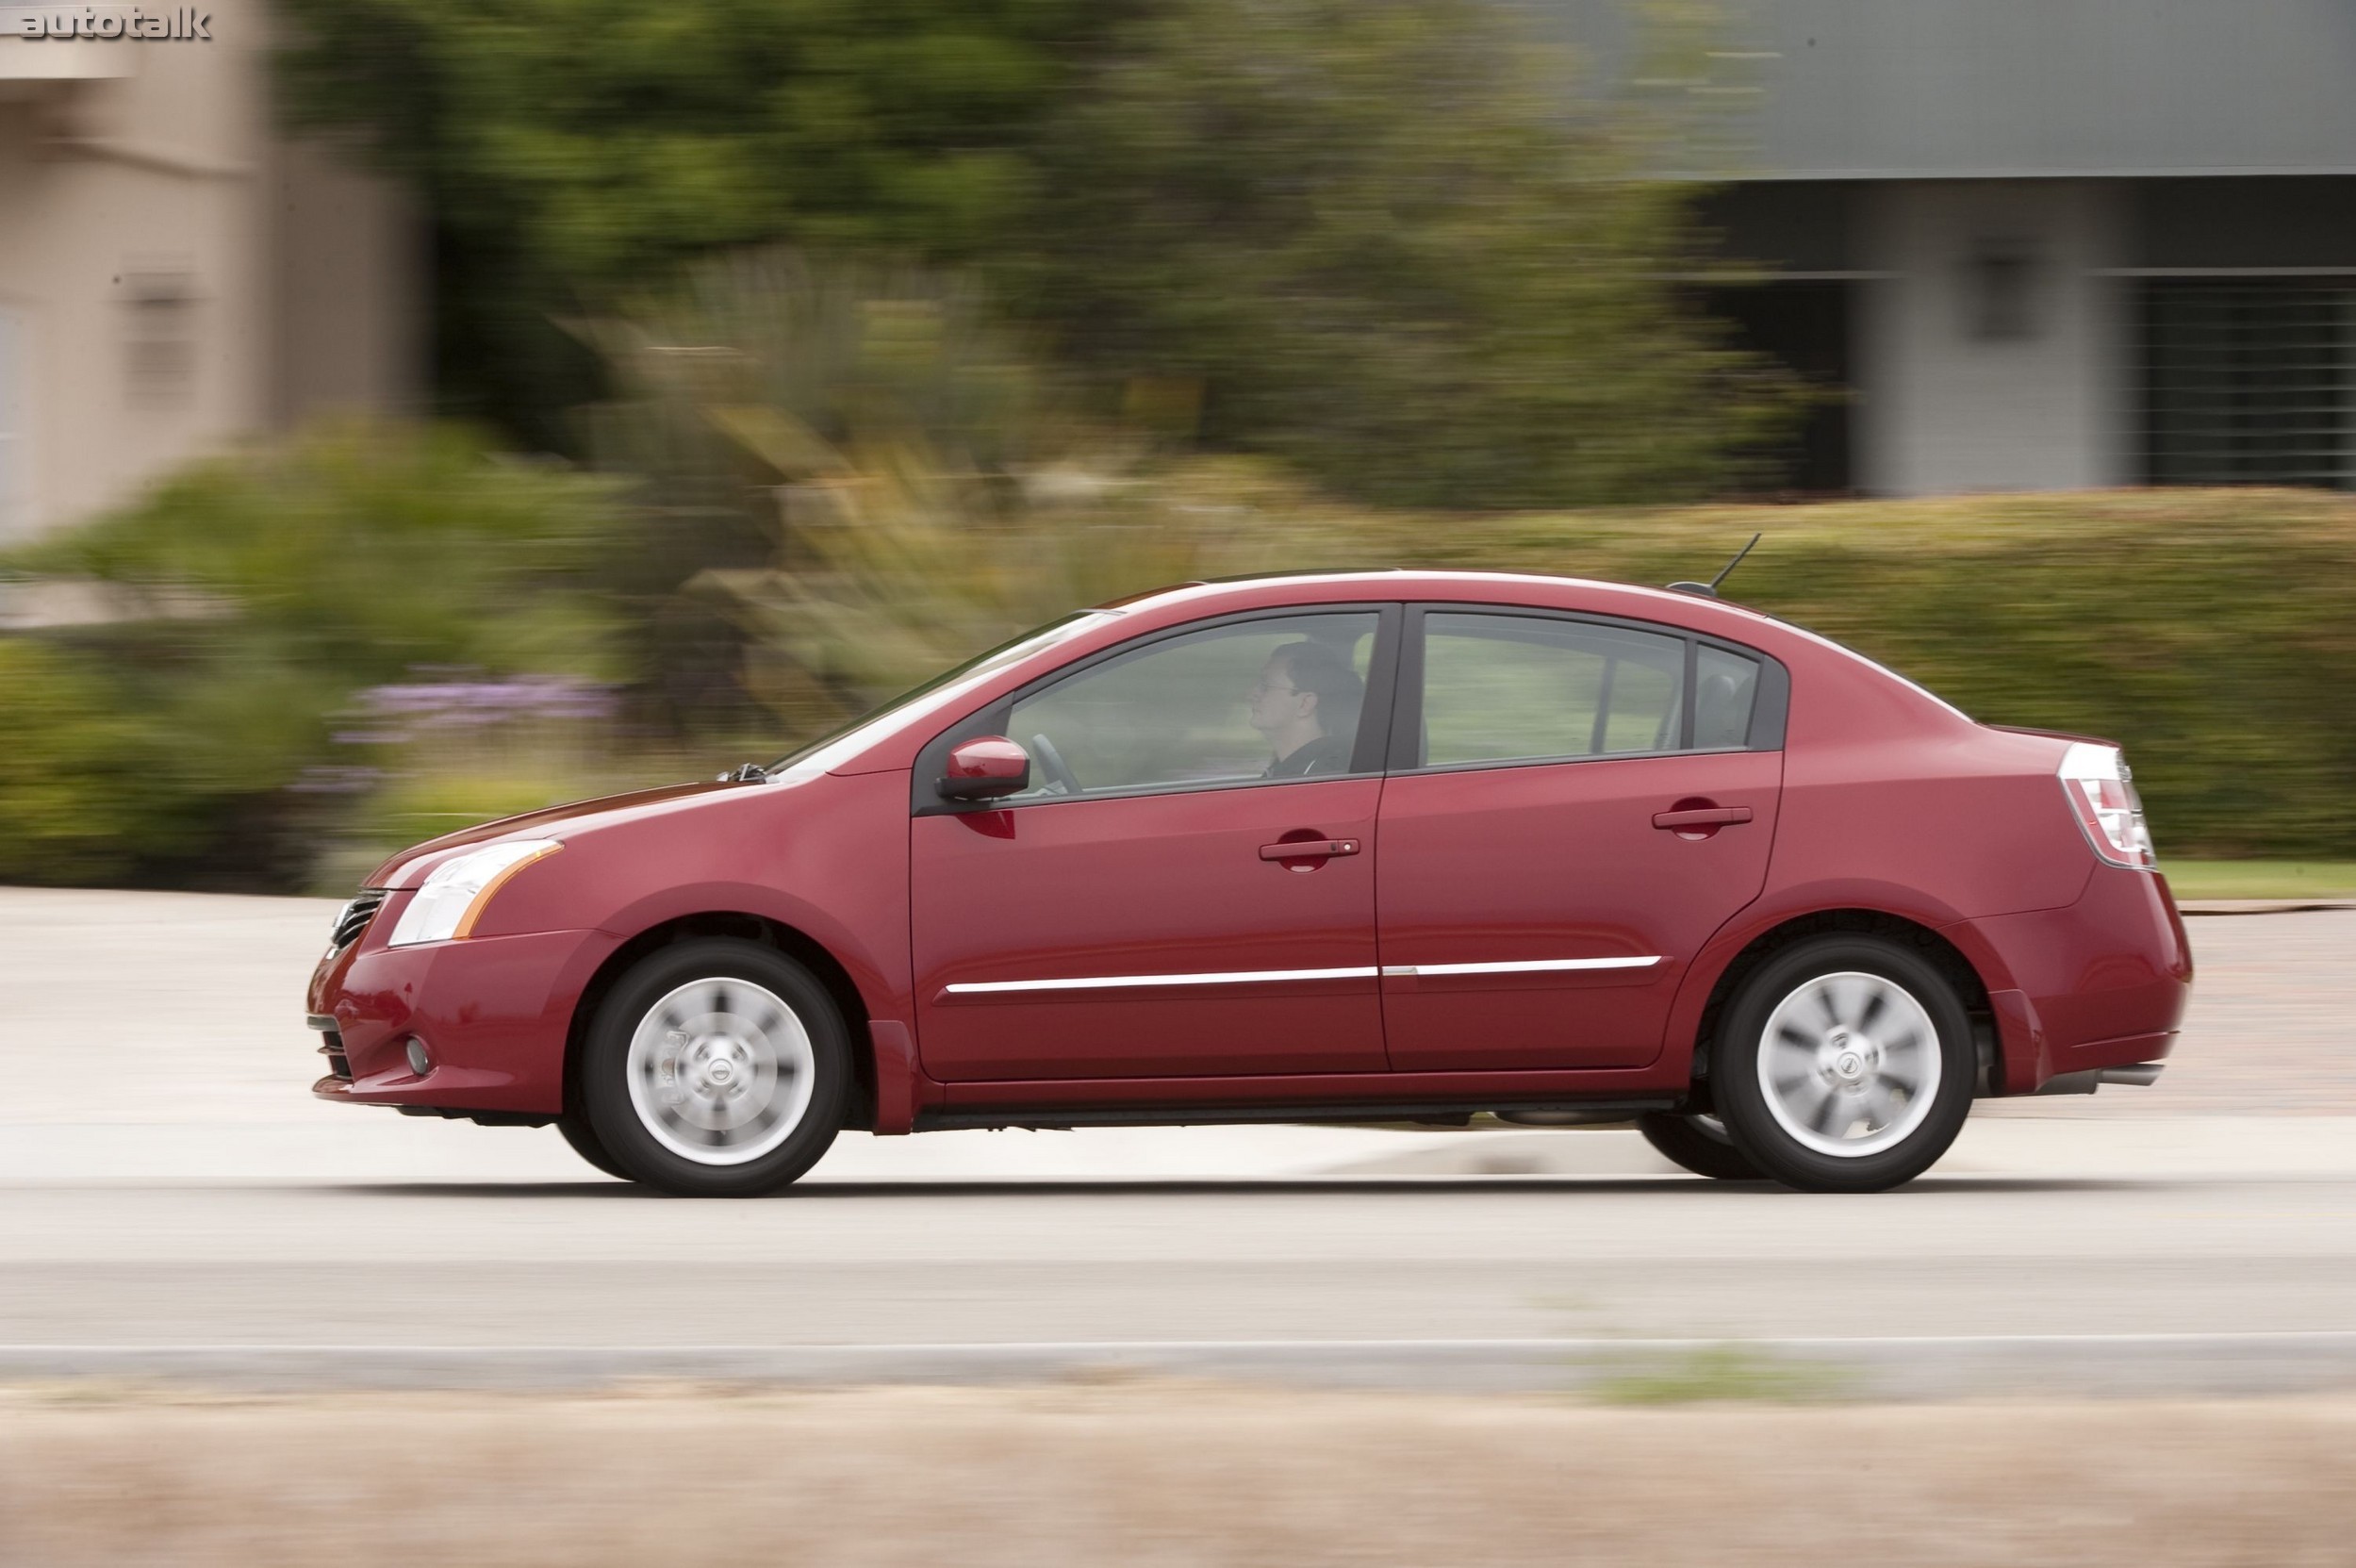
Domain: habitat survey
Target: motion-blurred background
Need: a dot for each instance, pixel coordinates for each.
(413, 411)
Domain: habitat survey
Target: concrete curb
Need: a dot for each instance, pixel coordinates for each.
(1650, 1370)
(2261, 906)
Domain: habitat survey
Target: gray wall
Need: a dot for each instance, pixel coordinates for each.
(1979, 89)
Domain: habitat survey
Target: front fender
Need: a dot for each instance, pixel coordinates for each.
(881, 977)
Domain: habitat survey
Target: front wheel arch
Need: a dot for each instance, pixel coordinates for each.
(797, 945)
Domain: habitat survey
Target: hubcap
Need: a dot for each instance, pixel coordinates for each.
(720, 1071)
(1850, 1064)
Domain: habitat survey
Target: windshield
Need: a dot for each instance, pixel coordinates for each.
(980, 664)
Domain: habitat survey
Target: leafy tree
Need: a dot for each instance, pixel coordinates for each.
(1395, 242)
(1386, 239)
(571, 150)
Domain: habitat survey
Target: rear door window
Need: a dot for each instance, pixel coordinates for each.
(1500, 688)
(1517, 688)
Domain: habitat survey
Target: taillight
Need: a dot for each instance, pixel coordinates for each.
(2096, 779)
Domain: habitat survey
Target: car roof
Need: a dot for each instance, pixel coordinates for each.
(1538, 589)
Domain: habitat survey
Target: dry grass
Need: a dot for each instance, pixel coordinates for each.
(1156, 1474)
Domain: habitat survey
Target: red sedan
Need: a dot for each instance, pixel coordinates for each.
(1347, 847)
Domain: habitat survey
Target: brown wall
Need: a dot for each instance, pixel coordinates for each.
(174, 275)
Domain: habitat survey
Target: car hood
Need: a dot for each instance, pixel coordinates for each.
(409, 866)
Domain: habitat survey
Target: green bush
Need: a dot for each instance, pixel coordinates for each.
(354, 552)
(285, 596)
(2211, 632)
(70, 785)
(254, 597)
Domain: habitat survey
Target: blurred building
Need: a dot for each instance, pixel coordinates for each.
(175, 271)
(2047, 243)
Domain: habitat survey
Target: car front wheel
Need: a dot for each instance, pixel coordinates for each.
(1846, 1064)
(716, 1069)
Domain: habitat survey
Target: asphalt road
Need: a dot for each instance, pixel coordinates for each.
(189, 1197)
(598, 1263)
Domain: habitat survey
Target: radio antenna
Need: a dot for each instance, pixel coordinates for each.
(1709, 590)
(1737, 561)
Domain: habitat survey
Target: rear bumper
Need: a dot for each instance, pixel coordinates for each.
(2101, 982)
(494, 1013)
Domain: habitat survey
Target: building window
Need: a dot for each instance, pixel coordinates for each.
(2250, 381)
(161, 338)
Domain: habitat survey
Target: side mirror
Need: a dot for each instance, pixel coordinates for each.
(985, 768)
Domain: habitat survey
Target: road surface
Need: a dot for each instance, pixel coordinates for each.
(164, 1184)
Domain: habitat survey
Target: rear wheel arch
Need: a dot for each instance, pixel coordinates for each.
(1970, 987)
(793, 944)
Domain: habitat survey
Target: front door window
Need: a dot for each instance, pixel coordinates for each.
(1274, 699)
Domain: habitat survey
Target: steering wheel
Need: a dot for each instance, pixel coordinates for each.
(1060, 775)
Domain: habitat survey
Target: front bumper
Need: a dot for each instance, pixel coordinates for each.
(494, 1013)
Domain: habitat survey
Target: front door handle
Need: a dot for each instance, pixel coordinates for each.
(1700, 816)
(1308, 848)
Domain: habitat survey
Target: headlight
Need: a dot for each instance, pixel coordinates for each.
(458, 890)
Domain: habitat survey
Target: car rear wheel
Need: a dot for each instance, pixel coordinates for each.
(716, 1069)
(1699, 1142)
(1846, 1064)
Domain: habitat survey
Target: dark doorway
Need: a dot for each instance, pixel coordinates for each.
(1803, 324)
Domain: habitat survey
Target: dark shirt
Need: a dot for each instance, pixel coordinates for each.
(1326, 754)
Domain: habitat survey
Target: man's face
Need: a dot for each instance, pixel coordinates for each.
(1274, 703)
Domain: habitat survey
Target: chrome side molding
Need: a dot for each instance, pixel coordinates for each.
(1109, 982)
(1266, 976)
(1523, 967)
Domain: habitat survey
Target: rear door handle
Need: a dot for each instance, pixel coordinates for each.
(1701, 816)
(1308, 848)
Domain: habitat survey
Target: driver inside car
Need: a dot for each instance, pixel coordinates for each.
(1304, 705)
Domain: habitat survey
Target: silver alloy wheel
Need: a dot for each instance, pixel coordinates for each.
(721, 1071)
(1850, 1064)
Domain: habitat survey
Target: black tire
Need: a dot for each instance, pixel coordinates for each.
(1797, 1138)
(1700, 1144)
(726, 976)
(574, 1125)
